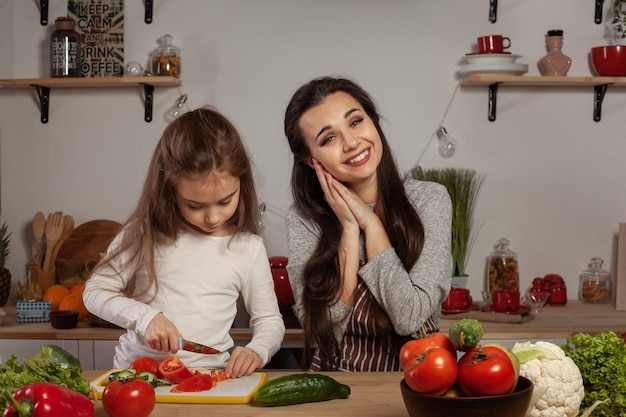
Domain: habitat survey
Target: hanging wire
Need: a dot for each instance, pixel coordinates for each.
(443, 118)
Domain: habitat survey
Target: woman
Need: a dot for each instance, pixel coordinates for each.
(369, 253)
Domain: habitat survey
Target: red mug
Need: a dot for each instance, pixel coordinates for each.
(505, 301)
(493, 44)
(458, 299)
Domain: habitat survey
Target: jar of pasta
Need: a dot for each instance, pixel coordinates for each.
(166, 58)
(502, 269)
(595, 283)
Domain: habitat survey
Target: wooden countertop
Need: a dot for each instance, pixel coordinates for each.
(551, 323)
(373, 394)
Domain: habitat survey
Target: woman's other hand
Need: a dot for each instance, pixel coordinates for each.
(243, 361)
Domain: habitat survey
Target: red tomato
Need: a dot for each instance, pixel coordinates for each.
(217, 376)
(486, 370)
(129, 398)
(197, 382)
(434, 372)
(146, 364)
(412, 348)
(174, 370)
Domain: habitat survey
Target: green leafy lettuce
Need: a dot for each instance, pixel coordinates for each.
(41, 367)
(602, 363)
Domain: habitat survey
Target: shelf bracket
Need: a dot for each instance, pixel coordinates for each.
(43, 12)
(493, 93)
(44, 101)
(598, 12)
(149, 98)
(148, 14)
(493, 10)
(598, 98)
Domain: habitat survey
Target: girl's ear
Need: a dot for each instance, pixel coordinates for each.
(309, 161)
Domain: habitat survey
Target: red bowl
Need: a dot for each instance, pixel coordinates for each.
(609, 61)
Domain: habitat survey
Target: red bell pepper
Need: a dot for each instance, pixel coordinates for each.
(46, 399)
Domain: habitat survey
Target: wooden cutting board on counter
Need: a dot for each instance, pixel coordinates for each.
(231, 391)
(89, 239)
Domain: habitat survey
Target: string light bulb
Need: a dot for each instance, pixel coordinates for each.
(447, 144)
(177, 109)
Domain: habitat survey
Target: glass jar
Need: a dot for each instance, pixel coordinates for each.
(166, 58)
(503, 271)
(595, 283)
(64, 49)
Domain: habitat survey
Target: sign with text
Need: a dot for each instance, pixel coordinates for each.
(100, 24)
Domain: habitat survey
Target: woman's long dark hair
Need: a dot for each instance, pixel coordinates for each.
(322, 273)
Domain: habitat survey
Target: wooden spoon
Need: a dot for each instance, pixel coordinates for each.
(53, 232)
(39, 224)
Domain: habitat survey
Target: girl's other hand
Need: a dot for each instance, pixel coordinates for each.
(243, 361)
(162, 335)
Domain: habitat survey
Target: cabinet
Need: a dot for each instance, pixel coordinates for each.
(598, 84)
(44, 85)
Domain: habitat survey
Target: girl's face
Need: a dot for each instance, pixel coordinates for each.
(208, 203)
(343, 139)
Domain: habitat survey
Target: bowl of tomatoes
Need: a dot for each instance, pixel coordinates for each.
(513, 404)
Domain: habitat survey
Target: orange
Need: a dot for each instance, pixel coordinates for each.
(55, 294)
(77, 289)
(74, 302)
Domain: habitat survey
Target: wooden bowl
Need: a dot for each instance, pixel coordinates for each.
(514, 404)
(64, 319)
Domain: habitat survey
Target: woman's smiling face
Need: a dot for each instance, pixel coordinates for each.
(343, 139)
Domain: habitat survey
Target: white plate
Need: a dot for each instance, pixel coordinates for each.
(491, 58)
(507, 68)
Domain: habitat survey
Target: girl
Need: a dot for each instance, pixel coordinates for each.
(188, 252)
(369, 254)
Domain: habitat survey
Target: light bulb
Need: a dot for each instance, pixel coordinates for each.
(134, 69)
(177, 109)
(447, 145)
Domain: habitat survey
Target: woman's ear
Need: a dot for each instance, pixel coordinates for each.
(309, 161)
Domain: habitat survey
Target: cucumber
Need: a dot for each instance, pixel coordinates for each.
(300, 388)
(59, 355)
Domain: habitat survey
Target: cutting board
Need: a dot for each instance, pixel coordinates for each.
(232, 391)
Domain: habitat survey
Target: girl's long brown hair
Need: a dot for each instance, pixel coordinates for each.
(322, 273)
(194, 145)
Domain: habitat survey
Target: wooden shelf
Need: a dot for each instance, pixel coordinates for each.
(599, 85)
(43, 86)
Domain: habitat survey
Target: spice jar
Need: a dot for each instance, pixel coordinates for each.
(595, 283)
(503, 268)
(166, 58)
(64, 49)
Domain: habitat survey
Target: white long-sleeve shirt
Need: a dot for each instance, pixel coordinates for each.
(199, 281)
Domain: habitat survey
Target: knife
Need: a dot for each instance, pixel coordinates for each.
(196, 347)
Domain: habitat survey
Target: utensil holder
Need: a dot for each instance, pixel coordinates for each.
(44, 277)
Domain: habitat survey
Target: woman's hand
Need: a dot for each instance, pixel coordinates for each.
(243, 361)
(162, 335)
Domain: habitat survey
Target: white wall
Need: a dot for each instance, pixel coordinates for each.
(554, 176)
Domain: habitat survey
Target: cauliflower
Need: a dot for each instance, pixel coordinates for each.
(559, 388)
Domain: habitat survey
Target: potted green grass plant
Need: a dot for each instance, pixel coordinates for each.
(464, 186)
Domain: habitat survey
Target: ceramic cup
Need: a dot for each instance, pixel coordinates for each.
(458, 299)
(505, 301)
(493, 44)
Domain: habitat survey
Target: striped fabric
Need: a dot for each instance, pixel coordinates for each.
(361, 349)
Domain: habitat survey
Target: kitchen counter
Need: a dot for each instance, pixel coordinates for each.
(373, 394)
(551, 323)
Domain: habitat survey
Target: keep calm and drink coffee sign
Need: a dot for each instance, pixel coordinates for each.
(100, 24)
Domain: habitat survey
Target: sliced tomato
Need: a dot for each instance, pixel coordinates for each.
(195, 383)
(217, 375)
(174, 370)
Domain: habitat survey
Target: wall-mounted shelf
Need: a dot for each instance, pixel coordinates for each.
(599, 85)
(43, 86)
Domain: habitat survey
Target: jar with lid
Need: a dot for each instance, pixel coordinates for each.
(595, 283)
(64, 49)
(503, 270)
(166, 58)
